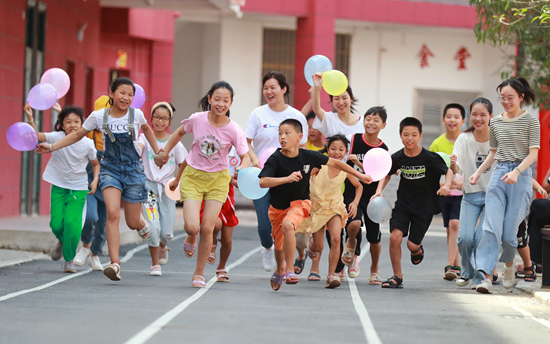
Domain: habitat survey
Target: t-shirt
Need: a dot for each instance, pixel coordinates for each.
(164, 174)
(211, 144)
(279, 165)
(332, 125)
(417, 191)
(262, 127)
(116, 125)
(67, 167)
(470, 154)
(513, 137)
(360, 146)
(311, 146)
(442, 144)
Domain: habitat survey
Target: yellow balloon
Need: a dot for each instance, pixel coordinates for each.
(335, 82)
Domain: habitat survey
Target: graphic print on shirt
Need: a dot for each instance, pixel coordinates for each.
(480, 158)
(267, 126)
(306, 169)
(413, 172)
(210, 146)
(152, 206)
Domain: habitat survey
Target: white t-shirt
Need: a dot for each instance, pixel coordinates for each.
(332, 125)
(164, 174)
(470, 155)
(234, 161)
(263, 127)
(117, 125)
(67, 167)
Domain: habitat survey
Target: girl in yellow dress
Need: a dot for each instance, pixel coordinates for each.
(327, 207)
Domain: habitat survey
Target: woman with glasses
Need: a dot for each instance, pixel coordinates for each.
(159, 210)
(514, 140)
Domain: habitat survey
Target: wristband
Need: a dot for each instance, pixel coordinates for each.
(517, 168)
(51, 147)
(355, 202)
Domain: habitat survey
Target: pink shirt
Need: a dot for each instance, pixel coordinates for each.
(211, 145)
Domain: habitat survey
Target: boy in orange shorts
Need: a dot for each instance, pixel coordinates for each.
(286, 172)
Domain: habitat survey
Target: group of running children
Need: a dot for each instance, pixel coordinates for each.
(308, 191)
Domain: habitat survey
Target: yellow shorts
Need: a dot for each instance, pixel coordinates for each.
(199, 185)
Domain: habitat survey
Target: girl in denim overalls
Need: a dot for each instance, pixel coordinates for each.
(514, 140)
(122, 175)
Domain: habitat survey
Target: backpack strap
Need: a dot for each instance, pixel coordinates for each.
(131, 124)
(105, 126)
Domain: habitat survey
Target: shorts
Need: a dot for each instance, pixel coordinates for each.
(406, 221)
(450, 208)
(227, 214)
(522, 235)
(296, 213)
(374, 235)
(200, 185)
(128, 178)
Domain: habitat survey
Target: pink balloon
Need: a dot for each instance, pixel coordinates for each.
(139, 97)
(377, 163)
(59, 79)
(42, 96)
(266, 154)
(22, 137)
(175, 195)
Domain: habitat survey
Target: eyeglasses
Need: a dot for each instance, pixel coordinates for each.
(164, 119)
(506, 100)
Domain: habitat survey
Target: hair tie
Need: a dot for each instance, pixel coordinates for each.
(168, 106)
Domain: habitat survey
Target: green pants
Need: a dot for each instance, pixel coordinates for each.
(66, 218)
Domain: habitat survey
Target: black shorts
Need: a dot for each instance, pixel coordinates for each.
(450, 208)
(374, 235)
(406, 221)
(522, 235)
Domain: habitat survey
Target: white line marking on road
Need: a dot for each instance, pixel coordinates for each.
(126, 258)
(147, 333)
(525, 313)
(368, 327)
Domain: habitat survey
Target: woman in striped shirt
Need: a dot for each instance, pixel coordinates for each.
(514, 140)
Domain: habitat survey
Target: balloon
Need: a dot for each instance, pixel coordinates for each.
(335, 82)
(265, 155)
(377, 163)
(446, 158)
(59, 79)
(42, 96)
(175, 195)
(22, 137)
(379, 210)
(249, 183)
(316, 64)
(139, 97)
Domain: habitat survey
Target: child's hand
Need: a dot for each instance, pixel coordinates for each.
(314, 172)
(310, 92)
(294, 177)
(28, 112)
(57, 107)
(234, 182)
(236, 174)
(255, 162)
(473, 178)
(365, 178)
(542, 192)
(93, 187)
(353, 158)
(510, 177)
(317, 79)
(161, 158)
(453, 159)
(352, 209)
(377, 194)
(43, 148)
(173, 184)
(443, 191)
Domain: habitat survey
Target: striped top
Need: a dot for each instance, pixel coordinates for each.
(513, 137)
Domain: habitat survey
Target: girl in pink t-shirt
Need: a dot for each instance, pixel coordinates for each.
(206, 176)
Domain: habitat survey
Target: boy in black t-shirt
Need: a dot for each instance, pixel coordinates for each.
(286, 172)
(417, 199)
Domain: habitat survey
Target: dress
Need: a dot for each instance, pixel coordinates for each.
(326, 201)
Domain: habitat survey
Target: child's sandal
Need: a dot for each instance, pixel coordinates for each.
(393, 282)
(212, 257)
(221, 275)
(417, 259)
(144, 232)
(530, 275)
(349, 253)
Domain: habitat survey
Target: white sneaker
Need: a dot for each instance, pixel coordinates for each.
(81, 256)
(509, 277)
(486, 286)
(69, 267)
(94, 262)
(155, 270)
(268, 259)
(163, 254)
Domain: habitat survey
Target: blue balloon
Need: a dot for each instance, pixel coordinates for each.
(249, 183)
(316, 64)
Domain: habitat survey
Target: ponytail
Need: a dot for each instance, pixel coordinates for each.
(522, 87)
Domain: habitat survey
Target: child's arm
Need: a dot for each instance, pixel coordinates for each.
(150, 136)
(488, 162)
(30, 119)
(512, 177)
(252, 154)
(307, 108)
(352, 208)
(316, 96)
(68, 140)
(365, 178)
(174, 183)
(270, 182)
(457, 185)
(381, 185)
(444, 190)
(162, 157)
(454, 166)
(538, 188)
(93, 184)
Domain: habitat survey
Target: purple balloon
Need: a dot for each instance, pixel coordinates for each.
(22, 137)
(42, 96)
(139, 97)
(59, 79)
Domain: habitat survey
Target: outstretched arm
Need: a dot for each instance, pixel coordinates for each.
(365, 178)
(444, 190)
(161, 157)
(30, 120)
(150, 136)
(488, 162)
(270, 182)
(64, 142)
(316, 96)
(381, 185)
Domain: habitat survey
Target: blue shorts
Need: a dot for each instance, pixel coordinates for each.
(129, 178)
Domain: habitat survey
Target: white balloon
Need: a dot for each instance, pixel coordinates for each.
(379, 210)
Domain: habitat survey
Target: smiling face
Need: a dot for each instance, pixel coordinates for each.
(122, 97)
(313, 134)
(273, 93)
(453, 120)
(410, 136)
(71, 123)
(160, 119)
(288, 136)
(342, 103)
(373, 124)
(220, 101)
(337, 150)
(510, 99)
(480, 116)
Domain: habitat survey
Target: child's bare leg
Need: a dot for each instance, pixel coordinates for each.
(289, 245)
(317, 245)
(154, 251)
(452, 246)
(280, 259)
(334, 227)
(525, 255)
(112, 197)
(227, 243)
(353, 229)
(396, 237)
(217, 228)
(375, 250)
(210, 214)
(191, 220)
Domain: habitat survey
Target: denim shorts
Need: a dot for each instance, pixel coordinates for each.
(129, 178)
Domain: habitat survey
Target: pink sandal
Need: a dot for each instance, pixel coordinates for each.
(198, 282)
(212, 257)
(189, 247)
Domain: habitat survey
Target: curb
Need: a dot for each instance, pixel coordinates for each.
(28, 257)
(534, 288)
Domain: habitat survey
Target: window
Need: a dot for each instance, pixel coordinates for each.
(279, 55)
(342, 53)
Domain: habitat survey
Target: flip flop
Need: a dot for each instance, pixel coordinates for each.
(313, 277)
(278, 280)
(300, 264)
(189, 247)
(291, 278)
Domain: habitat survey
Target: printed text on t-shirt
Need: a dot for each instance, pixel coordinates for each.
(413, 172)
